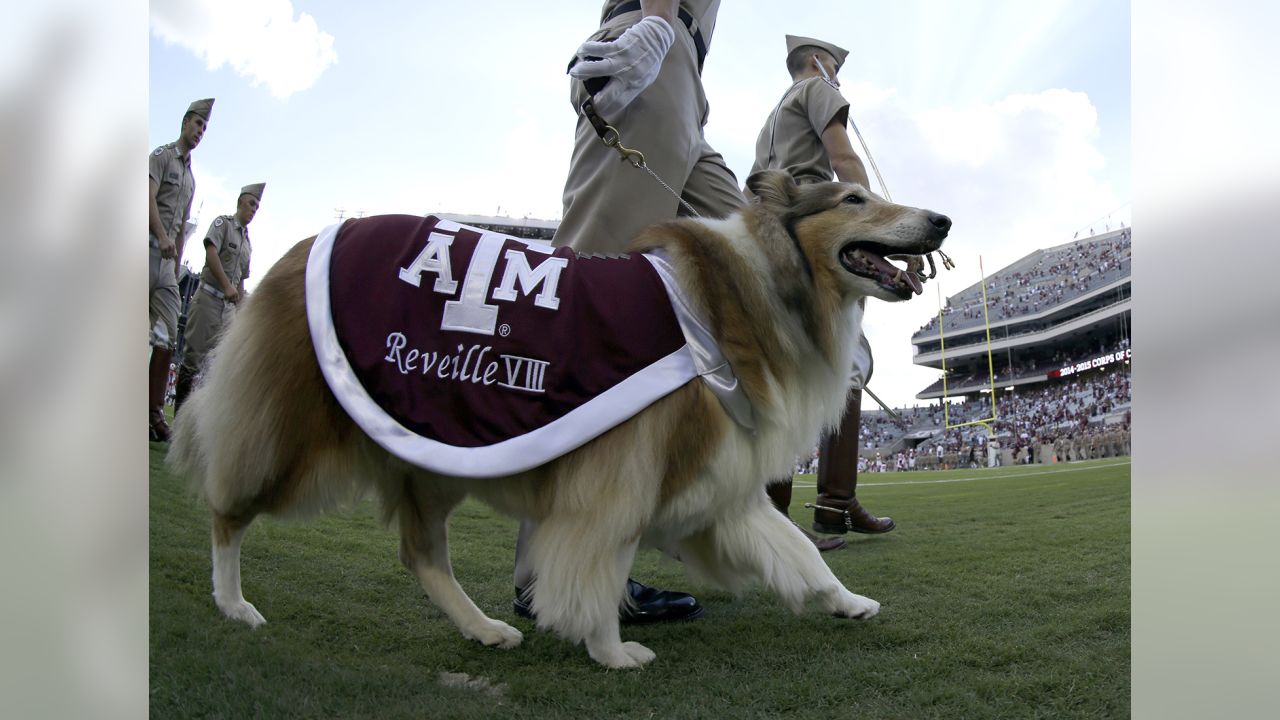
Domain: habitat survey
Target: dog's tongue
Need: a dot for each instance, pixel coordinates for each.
(889, 272)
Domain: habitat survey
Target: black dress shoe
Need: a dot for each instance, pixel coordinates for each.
(652, 605)
(648, 605)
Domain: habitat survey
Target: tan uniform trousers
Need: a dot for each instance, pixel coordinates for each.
(163, 300)
(607, 202)
(206, 319)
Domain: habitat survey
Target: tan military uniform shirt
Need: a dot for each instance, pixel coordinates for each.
(207, 316)
(176, 186)
(791, 138)
(231, 241)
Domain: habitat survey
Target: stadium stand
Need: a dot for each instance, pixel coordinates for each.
(1089, 414)
(1040, 282)
(528, 228)
(1050, 309)
(1060, 352)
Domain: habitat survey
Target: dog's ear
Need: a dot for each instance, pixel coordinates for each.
(773, 187)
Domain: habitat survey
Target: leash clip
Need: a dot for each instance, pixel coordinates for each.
(610, 136)
(612, 139)
(933, 270)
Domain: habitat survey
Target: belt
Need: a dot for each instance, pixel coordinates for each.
(685, 17)
(213, 291)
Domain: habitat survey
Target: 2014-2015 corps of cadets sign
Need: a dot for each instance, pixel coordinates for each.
(472, 353)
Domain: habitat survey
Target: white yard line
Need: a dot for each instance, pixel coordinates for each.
(969, 479)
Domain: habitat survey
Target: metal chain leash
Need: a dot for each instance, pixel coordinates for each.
(683, 202)
(611, 138)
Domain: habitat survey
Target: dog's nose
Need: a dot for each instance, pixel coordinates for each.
(942, 222)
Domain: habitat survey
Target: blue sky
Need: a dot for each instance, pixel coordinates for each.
(1011, 117)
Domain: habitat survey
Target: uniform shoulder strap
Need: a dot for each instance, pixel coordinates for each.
(773, 123)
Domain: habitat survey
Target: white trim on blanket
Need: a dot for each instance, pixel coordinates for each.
(517, 454)
(713, 367)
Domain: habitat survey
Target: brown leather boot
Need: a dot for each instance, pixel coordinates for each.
(182, 388)
(780, 493)
(837, 510)
(840, 515)
(157, 384)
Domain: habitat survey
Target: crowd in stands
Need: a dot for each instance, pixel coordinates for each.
(1057, 275)
(1022, 369)
(1083, 417)
(1071, 410)
(1067, 416)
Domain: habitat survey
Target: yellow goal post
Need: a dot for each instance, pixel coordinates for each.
(991, 388)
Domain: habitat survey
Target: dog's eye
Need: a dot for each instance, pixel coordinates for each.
(852, 199)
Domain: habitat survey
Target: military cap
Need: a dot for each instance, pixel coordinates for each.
(837, 52)
(254, 190)
(202, 108)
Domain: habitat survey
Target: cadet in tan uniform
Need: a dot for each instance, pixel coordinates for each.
(226, 265)
(169, 200)
(806, 136)
(643, 72)
(652, 56)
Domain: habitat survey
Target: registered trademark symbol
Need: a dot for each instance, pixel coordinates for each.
(504, 329)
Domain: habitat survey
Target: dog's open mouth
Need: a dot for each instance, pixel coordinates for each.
(868, 260)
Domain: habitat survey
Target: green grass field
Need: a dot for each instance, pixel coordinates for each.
(1005, 594)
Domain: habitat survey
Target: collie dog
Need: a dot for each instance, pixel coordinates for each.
(778, 285)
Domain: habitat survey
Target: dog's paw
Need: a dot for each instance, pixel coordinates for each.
(639, 653)
(494, 633)
(622, 656)
(849, 605)
(242, 610)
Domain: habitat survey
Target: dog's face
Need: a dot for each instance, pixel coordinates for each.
(846, 226)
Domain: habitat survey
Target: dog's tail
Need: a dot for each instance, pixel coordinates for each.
(202, 447)
(186, 456)
(262, 431)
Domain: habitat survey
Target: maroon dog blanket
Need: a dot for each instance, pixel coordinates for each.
(472, 353)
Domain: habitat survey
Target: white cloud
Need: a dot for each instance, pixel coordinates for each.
(214, 196)
(259, 39)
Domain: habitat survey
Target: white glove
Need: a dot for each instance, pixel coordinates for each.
(863, 365)
(632, 61)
